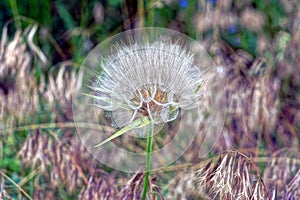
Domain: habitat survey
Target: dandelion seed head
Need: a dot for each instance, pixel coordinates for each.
(151, 79)
(142, 80)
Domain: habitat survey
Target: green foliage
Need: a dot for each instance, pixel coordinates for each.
(10, 161)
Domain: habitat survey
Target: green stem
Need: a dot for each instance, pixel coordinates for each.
(151, 15)
(148, 159)
(15, 11)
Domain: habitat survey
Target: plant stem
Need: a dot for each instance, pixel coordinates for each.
(141, 13)
(148, 159)
(151, 16)
(15, 11)
(14, 183)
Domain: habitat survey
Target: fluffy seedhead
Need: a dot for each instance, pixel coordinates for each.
(152, 79)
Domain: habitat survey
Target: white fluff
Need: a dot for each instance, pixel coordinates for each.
(142, 70)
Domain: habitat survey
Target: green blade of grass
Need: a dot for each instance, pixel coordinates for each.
(65, 15)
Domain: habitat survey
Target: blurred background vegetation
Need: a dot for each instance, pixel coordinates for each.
(255, 43)
(77, 26)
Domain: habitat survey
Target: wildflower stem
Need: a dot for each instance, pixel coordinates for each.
(148, 159)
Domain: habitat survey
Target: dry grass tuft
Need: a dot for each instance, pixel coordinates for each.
(58, 92)
(133, 188)
(35, 151)
(292, 190)
(233, 176)
(21, 93)
(100, 186)
(62, 161)
(283, 173)
(18, 91)
(251, 100)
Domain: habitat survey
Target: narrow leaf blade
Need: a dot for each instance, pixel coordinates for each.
(140, 122)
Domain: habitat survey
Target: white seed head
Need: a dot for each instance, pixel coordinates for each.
(151, 79)
(148, 81)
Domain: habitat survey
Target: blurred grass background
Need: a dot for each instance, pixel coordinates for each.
(77, 24)
(256, 33)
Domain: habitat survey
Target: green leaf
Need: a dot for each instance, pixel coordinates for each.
(140, 122)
